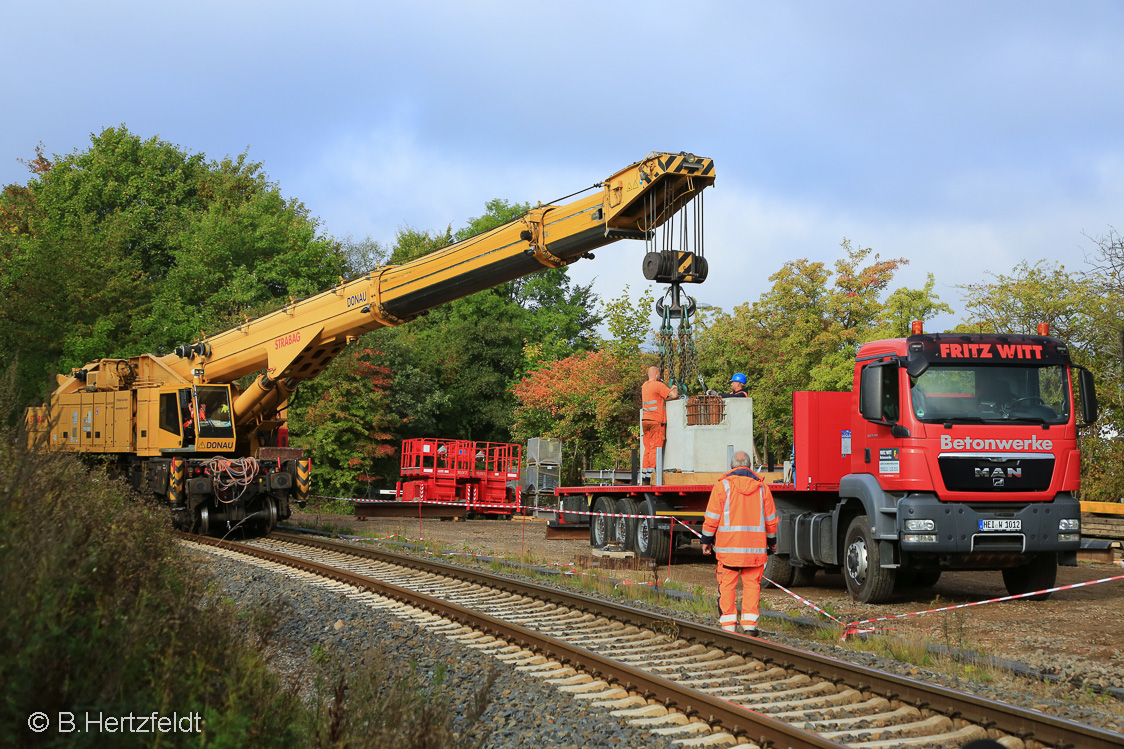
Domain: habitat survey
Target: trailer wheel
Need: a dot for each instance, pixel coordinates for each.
(651, 542)
(625, 528)
(867, 580)
(601, 528)
(1040, 573)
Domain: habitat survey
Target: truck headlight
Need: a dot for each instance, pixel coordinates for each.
(1069, 524)
(1069, 537)
(920, 525)
(915, 538)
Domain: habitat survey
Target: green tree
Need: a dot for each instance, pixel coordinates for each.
(473, 350)
(906, 305)
(136, 246)
(629, 325)
(453, 369)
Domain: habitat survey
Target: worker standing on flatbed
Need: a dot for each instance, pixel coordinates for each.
(653, 419)
(737, 386)
(741, 529)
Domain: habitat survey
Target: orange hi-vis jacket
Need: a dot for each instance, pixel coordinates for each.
(653, 397)
(741, 519)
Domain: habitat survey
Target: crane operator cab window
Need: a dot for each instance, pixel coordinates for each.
(205, 411)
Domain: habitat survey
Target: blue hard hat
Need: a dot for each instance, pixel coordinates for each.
(738, 377)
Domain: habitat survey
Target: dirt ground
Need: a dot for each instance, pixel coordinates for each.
(1075, 630)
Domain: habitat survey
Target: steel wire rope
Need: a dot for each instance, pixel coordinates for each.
(480, 236)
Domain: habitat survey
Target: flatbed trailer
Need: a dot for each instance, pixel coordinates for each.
(644, 519)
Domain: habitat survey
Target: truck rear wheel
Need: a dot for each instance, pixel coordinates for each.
(625, 528)
(803, 576)
(867, 580)
(601, 528)
(651, 542)
(779, 571)
(1039, 574)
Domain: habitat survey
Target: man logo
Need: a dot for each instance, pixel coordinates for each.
(999, 473)
(998, 481)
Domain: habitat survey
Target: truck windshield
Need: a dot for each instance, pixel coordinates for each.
(991, 394)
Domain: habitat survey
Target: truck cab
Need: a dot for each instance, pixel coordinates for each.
(953, 451)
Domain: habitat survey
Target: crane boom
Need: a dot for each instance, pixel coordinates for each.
(298, 340)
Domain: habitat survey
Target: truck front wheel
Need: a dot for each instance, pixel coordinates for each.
(1040, 573)
(867, 580)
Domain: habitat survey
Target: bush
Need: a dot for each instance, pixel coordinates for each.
(103, 614)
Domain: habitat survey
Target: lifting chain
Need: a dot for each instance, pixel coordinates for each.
(679, 360)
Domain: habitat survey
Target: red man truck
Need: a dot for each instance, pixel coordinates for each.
(952, 451)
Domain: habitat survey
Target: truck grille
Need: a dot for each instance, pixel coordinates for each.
(963, 473)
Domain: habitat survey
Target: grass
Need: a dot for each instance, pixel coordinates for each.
(359, 707)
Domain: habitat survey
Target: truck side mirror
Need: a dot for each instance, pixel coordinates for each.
(1088, 393)
(878, 393)
(870, 394)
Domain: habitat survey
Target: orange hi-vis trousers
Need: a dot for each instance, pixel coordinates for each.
(654, 435)
(728, 596)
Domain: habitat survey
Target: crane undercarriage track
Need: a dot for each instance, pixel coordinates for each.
(686, 681)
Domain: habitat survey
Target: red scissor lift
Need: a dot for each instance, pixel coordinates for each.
(473, 474)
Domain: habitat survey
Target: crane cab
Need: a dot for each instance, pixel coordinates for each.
(195, 419)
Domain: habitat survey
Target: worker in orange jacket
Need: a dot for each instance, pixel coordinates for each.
(653, 414)
(741, 529)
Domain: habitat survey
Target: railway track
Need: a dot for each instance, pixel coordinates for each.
(686, 681)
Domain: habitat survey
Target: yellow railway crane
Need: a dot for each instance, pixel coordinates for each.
(181, 427)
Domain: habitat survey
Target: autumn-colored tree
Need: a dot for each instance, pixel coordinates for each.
(802, 334)
(590, 401)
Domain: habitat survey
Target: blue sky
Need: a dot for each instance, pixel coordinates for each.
(966, 137)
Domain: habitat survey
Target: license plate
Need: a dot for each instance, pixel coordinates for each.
(1001, 524)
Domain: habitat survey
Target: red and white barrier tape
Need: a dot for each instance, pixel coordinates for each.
(856, 627)
(802, 600)
(513, 508)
